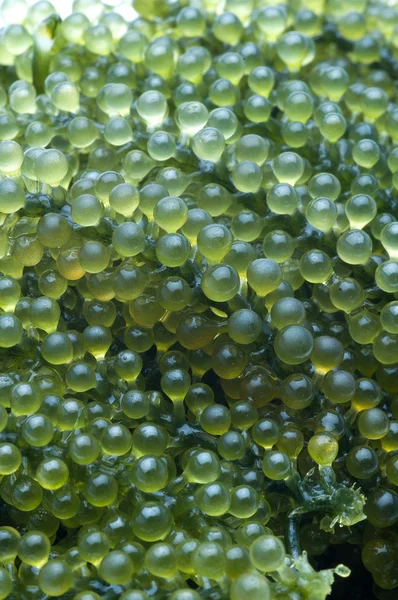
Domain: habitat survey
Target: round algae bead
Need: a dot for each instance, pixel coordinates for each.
(208, 144)
(34, 548)
(267, 553)
(161, 560)
(282, 199)
(251, 585)
(10, 458)
(57, 348)
(10, 330)
(12, 196)
(51, 166)
(316, 266)
(151, 521)
(373, 423)
(293, 344)
(323, 448)
(214, 241)
(52, 473)
(264, 275)
(100, 489)
(276, 465)
(213, 499)
(220, 283)
(244, 326)
(354, 247)
(55, 578)
(321, 213)
(287, 311)
(116, 568)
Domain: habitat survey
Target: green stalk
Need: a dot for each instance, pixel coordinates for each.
(43, 50)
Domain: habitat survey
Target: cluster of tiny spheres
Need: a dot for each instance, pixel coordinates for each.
(198, 300)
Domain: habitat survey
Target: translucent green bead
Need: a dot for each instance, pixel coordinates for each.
(287, 311)
(151, 521)
(213, 499)
(373, 423)
(244, 326)
(208, 144)
(261, 80)
(65, 96)
(252, 584)
(316, 266)
(55, 578)
(161, 560)
(10, 539)
(224, 120)
(247, 176)
(51, 166)
(293, 344)
(389, 317)
(382, 507)
(10, 291)
(265, 433)
(173, 249)
(124, 199)
(57, 349)
(282, 199)
(34, 548)
(84, 449)
(10, 458)
(11, 156)
(150, 438)
(80, 377)
(296, 392)
(321, 213)
(87, 210)
(152, 107)
(52, 284)
(220, 283)
(367, 394)
(150, 474)
(73, 27)
(276, 465)
(392, 470)
(366, 153)
(116, 568)
(52, 473)
(12, 197)
(215, 419)
(324, 185)
(93, 257)
(199, 397)
(191, 22)
(28, 250)
(25, 399)
(323, 448)
(231, 445)
(118, 131)
(354, 247)
(227, 28)
(37, 430)
(264, 275)
(244, 502)
(339, 386)
(362, 462)
(100, 489)
(386, 276)
(267, 553)
(223, 92)
(98, 39)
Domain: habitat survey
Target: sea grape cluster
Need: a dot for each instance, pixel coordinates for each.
(198, 299)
